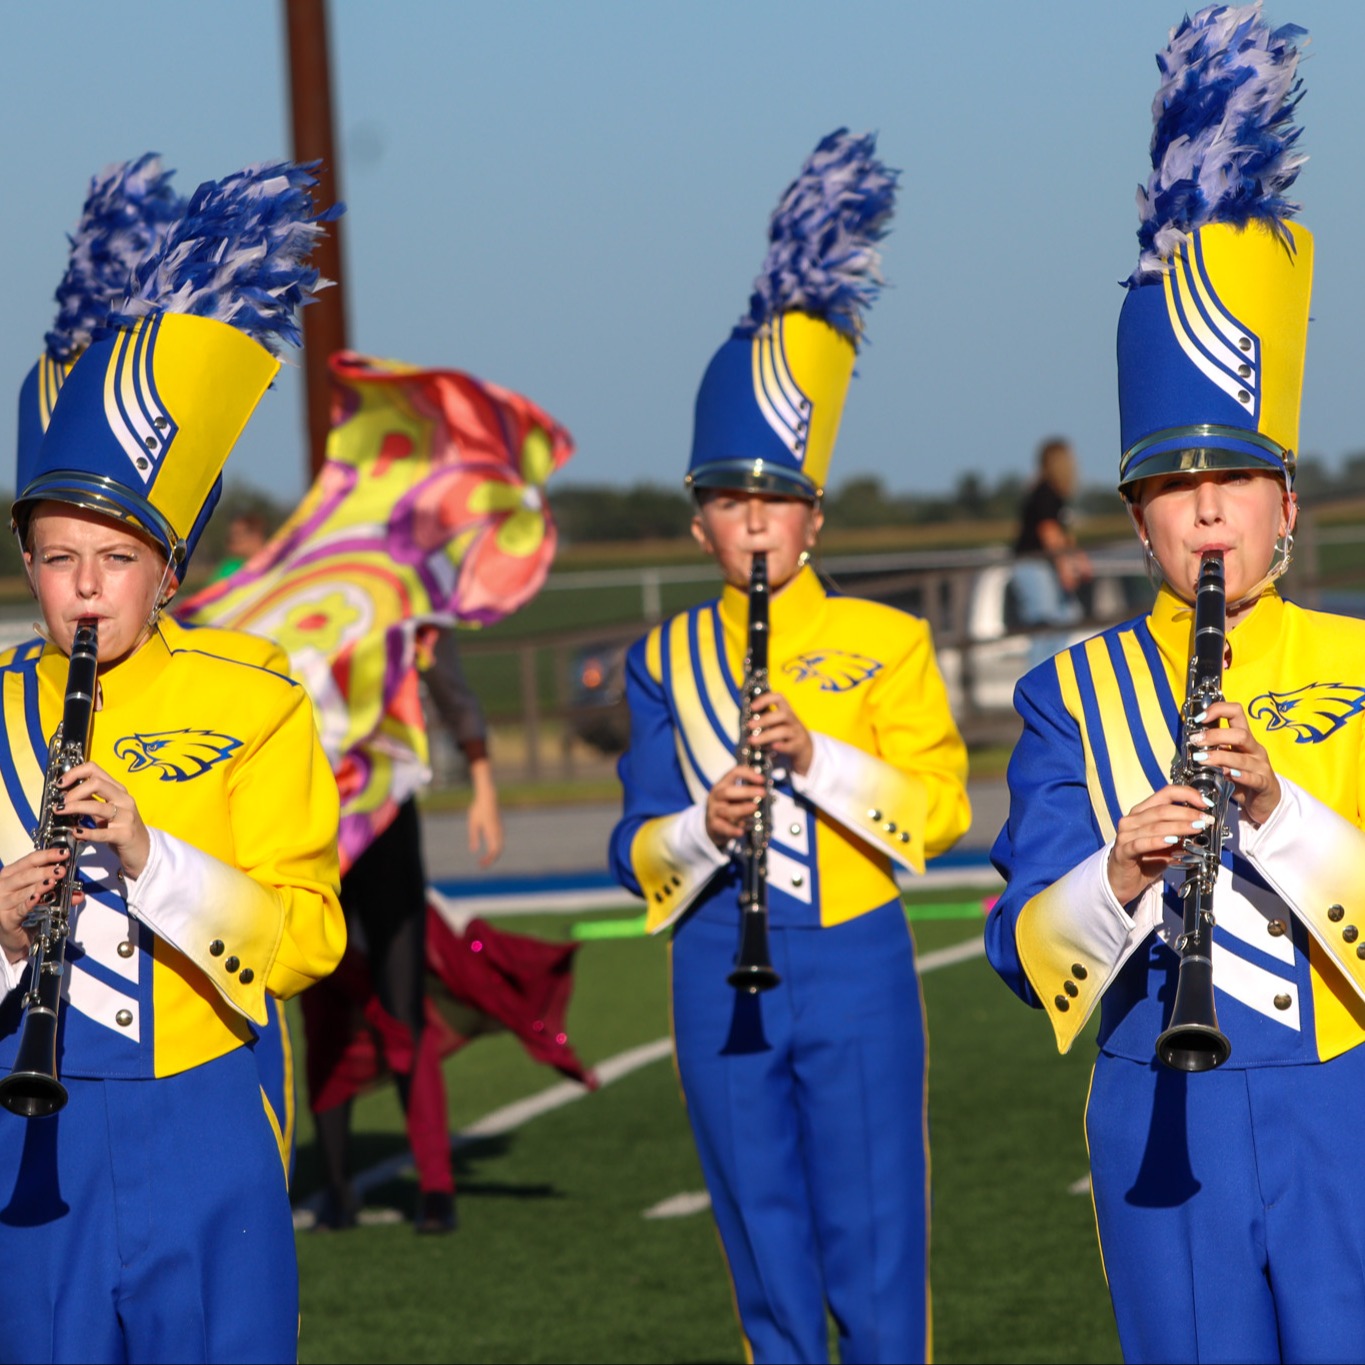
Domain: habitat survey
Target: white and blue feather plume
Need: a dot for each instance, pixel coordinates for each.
(823, 235)
(1224, 145)
(127, 213)
(239, 254)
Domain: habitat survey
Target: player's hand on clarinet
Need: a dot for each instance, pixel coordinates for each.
(1233, 748)
(1148, 839)
(116, 820)
(730, 804)
(22, 882)
(777, 727)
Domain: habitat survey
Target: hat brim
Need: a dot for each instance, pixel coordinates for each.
(752, 476)
(1187, 450)
(104, 497)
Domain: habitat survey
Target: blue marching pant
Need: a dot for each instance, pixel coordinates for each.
(808, 1107)
(148, 1221)
(1231, 1209)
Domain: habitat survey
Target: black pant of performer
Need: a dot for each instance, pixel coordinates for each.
(384, 896)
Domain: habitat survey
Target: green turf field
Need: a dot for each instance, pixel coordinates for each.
(554, 1260)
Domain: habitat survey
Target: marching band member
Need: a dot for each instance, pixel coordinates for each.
(150, 1215)
(128, 211)
(807, 1101)
(1229, 1210)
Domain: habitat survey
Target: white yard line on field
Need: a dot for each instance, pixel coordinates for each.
(512, 1116)
(679, 1205)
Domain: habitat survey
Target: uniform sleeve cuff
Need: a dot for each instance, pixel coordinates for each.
(674, 860)
(11, 973)
(694, 845)
(1283, 828)
(1103, 927)
(868, 797)
(226, 923)
(1321, 886)
(1074, 937)
(822, 767)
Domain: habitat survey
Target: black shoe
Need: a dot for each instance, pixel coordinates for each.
(338, 1211)
(435, 1213)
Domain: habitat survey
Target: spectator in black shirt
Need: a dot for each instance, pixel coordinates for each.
(1051, 567)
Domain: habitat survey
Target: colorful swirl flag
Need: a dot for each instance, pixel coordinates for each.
(429, 509)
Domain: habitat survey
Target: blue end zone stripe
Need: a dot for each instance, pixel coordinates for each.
(666, 668)
(731, 681)
(530, 884)
(1170, 708)
(1124, 677)
(694, 653)
(1094, 725)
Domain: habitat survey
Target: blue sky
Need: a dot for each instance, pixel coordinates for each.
(570, 199)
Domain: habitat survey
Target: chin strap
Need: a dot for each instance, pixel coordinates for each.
(161, 601)
(1284, 553)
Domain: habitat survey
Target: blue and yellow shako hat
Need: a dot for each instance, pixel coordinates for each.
(1213, 331)
(128, 211)
(770, 401)
(147, 416)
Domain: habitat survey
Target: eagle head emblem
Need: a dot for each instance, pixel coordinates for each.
(178, 754)
(836, 670)
(1312, 712)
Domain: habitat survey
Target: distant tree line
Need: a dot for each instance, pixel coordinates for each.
(587, 513)
(602, 512)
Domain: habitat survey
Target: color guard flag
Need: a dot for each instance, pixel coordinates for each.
(430, 510)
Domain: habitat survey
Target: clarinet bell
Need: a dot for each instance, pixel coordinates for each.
(753, 977)
(1193, 1047)
(32, 1094)
(1193, 1041)
(753, 969)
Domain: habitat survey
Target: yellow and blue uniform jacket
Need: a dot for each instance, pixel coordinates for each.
(274, 1047)
(240, 645)
(886, 785)
(1101, 725)
(239, 895)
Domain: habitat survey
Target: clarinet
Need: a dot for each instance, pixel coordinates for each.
(32, 1089)
(753, 969)
(1192, 1040)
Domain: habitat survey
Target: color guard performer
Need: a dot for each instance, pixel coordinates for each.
(149, 1218)
(807, 1100)
(1229, 1205)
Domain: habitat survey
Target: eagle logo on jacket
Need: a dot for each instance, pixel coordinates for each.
(178, 754)
(1313, 712)
(836, 670)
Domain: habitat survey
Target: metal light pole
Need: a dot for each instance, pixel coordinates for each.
(310, 103)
